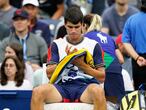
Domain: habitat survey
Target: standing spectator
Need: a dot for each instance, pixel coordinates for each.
(16, 50)
(53, 8)
(134, 39)
(37, 27)
(12, 75)
(4, 31)
(80, 83)
(115, 17)
(114, 87)
(6, 12)
(34, 47)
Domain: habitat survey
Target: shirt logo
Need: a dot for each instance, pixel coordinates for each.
(103, 39)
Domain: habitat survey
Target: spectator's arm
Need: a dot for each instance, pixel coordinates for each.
(59, 12)
(141, 61)
(130, 50)
(105, 30)
(119, 56)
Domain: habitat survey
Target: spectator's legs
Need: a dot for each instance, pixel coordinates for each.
(46, 93)
(94, 94)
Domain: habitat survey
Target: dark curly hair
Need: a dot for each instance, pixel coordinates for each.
(19, 77)
(73, 14)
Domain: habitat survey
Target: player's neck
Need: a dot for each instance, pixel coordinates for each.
(75, 41)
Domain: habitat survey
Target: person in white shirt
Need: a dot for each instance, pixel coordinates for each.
(15, 49)
(12, 75)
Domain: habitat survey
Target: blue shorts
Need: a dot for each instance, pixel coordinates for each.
(71, 91)
(114, 85)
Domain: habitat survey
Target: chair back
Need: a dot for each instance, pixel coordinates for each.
(15, 99)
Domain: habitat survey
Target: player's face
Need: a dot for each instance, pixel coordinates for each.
(74, 30)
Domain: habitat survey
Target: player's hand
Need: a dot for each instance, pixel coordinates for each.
(70, 49)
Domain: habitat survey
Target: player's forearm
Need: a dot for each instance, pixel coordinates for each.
(50, 69)
(98, 73)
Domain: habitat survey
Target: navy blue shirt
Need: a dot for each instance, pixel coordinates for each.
(42, 29)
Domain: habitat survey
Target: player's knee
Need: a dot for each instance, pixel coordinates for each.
(38, 93)
(96, 90)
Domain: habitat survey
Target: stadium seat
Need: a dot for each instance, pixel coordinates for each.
(76, 106)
